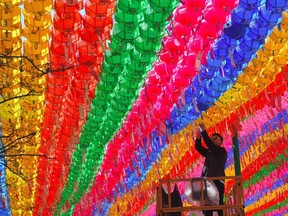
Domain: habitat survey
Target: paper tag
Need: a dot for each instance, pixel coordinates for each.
(168, 138)
(81, 112)
(231, 57)
(94, 74)
(132, 138)
(101, 42)
(70, 43)
(139, 133)
(198, 62)
(187, 139)
(160, 141)
(199, 78)
(223, 72)
(279, 103)
(183, 100)
(66, 53)
(195, 105)
(266, 94)
(57, 122)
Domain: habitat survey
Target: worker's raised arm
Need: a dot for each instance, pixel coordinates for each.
(202, 150)
(214, 147)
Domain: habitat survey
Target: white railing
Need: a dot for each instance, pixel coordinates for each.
(234, 201)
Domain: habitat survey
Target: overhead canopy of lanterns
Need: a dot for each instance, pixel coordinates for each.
(101, 98)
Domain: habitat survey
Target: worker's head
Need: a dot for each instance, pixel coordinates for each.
(217, 139)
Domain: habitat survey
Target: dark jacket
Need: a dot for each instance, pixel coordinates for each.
(215, 157)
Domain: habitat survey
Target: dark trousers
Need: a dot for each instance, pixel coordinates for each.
(220, 187)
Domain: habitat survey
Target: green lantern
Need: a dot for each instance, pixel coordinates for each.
(138, 68)
(114, 115)
(131, 6)
(109, 78)
(129, 19)
(136, 74)
(117, 44)
(130, 83)
(143, 45)
(108, 68)
(144, 58)
(164, 5)
(116, 58)
(103, 90)
(152, 33)
(156, 19)
(125, 34)
(93, 119)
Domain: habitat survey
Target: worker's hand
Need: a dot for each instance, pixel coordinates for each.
(202, 126)
(198, 136)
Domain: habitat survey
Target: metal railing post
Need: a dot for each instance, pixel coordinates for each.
(237, 165)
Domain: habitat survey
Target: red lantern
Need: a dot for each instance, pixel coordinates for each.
(68, 22)
(98, 24)
(63, 48)
(102, 1)
(64, 37)
(90, 52)
(89, 37)
(61, 6)
(95, 9)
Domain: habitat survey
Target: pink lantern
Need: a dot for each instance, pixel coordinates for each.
(181, 30)
(181, 82)
(197, 44)
(133, 118)
(208, 30)
(214, 16)
(142, 100)
(173, 44)
(128, 126)
(225, 5)
(174, 90)
(191, 59)
(161, 110)
(187, 16)
(153, 79)
(166, 57)
(153, 87)
(197, 4)
(186, 71)
(164, 71)
(160, 69)
(153, 92)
